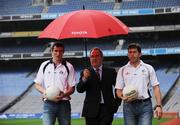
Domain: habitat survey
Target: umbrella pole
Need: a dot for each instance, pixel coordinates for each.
(86, 57)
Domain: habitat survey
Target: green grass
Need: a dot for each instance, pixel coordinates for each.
(118, 121)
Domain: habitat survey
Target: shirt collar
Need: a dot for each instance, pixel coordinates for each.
(141, 63)
(100, 68)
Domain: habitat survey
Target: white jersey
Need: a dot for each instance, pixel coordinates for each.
(141, 77)
(57, 76)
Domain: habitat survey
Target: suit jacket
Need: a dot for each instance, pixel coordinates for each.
(93, 87)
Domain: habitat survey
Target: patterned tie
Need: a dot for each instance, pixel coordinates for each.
(99, 78)
(97, 72)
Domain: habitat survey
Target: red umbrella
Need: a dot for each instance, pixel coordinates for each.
(84, 24)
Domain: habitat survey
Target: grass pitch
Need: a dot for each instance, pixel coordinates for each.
(118, 121)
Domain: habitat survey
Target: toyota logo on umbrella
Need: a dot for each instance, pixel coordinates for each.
(79, 32)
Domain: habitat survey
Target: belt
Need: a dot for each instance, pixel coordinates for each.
(61, 101)
(140, 100)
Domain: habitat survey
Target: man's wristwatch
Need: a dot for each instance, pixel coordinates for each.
(44, 99)
(160, 106)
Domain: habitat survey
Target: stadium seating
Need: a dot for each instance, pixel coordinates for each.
(14, 7)
(165, 3)
(79, 44)
(13, 83)
(166, 80)
(32, 103)
(173, 105)
(71, 5)
(140, 4)
(148, 44)
(6, 100)
(22, 46)
(137, 4)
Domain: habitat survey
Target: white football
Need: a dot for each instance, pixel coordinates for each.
(130, 91)
(52, 92)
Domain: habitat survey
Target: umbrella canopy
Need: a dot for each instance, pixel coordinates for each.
(84, 24)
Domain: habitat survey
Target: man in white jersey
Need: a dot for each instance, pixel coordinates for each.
(142, 76)
(60, 73)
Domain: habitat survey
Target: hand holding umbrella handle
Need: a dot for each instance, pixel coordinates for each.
(86, 74)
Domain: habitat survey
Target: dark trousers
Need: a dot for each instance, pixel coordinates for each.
(103, 117)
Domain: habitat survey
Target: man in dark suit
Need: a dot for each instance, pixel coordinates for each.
(98, 81)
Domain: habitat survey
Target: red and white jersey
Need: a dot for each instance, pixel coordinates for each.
(141, 77)
(57, 76)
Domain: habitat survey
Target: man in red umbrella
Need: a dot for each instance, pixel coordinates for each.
(98, 81)
(59, 73)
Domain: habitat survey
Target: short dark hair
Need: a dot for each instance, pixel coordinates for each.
(57, 44)
(135, 46)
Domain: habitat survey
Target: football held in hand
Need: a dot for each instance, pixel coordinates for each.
(130, 92)
(51, 92)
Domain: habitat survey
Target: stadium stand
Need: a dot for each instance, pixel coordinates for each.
(14, 7)
(166, 80)
(173, 104)
(15, 84)
(72, 5)
(22, 46)
(79, 44)
(147, 44)
(139, 4)
(167, 3)
(33, 97)
(31, 102)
